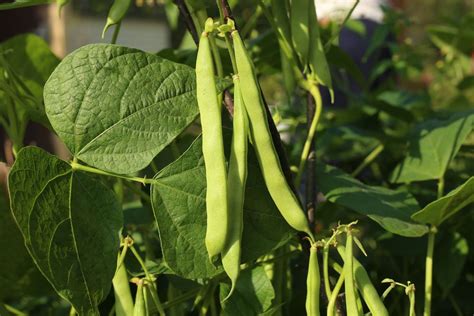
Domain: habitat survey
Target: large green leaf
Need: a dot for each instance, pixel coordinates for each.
(31, 60)
(23, 3)
(253, 294)
(178, 199)
(391, 209)
(70, 223)
(117, 107)
(450, 256)
(432, 147)
(438, 211)
(18, 274)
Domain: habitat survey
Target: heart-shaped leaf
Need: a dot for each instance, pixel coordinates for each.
(117, 107)
(391, 209)
(71, 224)
(432, 147)
(178, 199)
(438, 211)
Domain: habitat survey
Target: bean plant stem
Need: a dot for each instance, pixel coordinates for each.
(429, 271)
(313, 89)
(429, 258)
(72, 311)
(310, 187)
(455, 305)
(411, 297)
(368, 160)
(440, 187)
(77, 166)
(327, 285)
(12, 310)
(226, 38)
(180, 299)
(183, 10)
(116, 33)
(153, 290)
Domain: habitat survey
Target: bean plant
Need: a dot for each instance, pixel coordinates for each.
(188, 192)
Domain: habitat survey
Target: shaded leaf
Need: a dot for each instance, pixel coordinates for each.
(391, 209)
(32, 61)
(117, 107)
(438, 211)
(345, 143)
(342, 60)
(70, 223)
(451, 256)
(19, 276)
(253, 294)
(432, 147)
(23, 3)
(178, 199)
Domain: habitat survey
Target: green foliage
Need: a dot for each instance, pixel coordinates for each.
(129, 116)
(180, 187)
(70, 223)
(433, 146)
(253, 294)
(438, 211)
(391, 209)
(20, 275)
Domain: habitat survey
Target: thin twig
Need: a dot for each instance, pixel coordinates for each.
(183, 10)
(226, 10)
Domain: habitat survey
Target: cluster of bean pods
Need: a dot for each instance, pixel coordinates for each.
(226, 186)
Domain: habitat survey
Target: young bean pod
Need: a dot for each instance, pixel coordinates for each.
(139, 308)
(116, 13)
(313, 283)
(349, 286)
(366, 288)
(212, 147)
(123, 296)
(284, 198)
(237, 177)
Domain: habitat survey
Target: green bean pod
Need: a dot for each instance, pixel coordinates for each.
(123, 296)
(140, 308)
(237, 177)
(212, 148)
(116, 13)
(313, 283)
(281, 193)
(349, 286)
(335, 292)
(299, 29)
(318, 65)
(366, 288)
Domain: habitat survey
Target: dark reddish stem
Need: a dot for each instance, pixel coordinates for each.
(183, 10)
